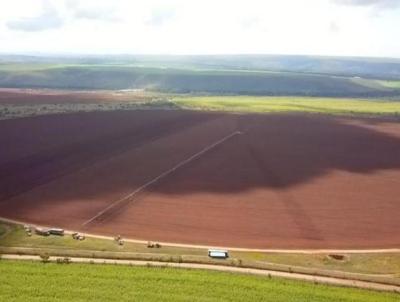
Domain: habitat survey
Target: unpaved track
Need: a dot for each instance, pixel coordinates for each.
(295, 276)
(237, 249)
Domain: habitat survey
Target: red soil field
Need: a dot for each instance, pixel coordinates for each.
(287, 181)
(20, 96)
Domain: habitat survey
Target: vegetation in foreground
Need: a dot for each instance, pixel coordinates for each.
(290, 104)
(30, 281)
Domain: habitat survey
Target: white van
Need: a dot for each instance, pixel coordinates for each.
(220, 254)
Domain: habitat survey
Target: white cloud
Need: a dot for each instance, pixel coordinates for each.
(334, 27)
(91, 11)
(324, 27)
(374, 3)
(47, 19)
(161, 15)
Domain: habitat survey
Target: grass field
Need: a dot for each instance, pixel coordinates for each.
(384, 263)
(17, 238)
(252, 104)
(289, 104)
(3, 230)
(28, 104)
(373, 264)
(390, 84)
(28, 281)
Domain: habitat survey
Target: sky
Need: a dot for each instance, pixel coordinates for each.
(310, 27)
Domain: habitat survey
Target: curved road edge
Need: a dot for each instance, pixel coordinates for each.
(236, 249)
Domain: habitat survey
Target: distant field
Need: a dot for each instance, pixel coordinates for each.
(289, 104)
(33, 102)
(186, 79)
(390, 84)
(84, 282)
(16, 103)
(382, 68)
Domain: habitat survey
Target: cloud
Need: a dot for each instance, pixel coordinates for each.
(48, 19)
(93, 12)
(247, 26)
(97, 14)
(250, 22)
(253, 24)
(161, 16)
(379, 4)
(334, 27)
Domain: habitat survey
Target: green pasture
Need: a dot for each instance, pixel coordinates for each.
(30, 281)
(289, 104)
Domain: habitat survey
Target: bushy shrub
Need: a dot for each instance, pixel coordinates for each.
(45, 257)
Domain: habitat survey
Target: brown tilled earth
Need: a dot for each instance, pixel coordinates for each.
(19, 96)
(288, 181)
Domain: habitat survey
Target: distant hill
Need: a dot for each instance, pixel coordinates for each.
(241, 74)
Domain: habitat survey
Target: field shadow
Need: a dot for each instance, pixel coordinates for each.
(275, 151)
(40, 150)
(280, 151)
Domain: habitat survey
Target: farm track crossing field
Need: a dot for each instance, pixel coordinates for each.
(289, 181)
